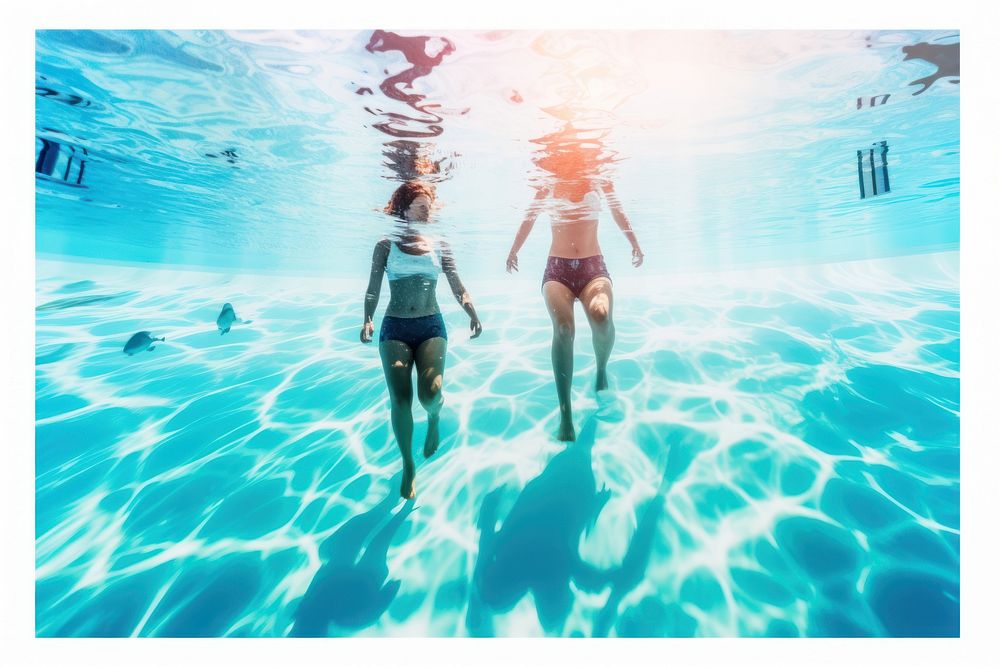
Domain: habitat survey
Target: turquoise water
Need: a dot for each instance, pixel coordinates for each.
(783, 461)
(782, 454)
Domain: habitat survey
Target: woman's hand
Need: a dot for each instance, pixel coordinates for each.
(367, 329)
(637, 256)
(475, 326)
(512, 262)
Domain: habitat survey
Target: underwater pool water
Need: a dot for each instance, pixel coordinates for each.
(781, 457)
(783, 460)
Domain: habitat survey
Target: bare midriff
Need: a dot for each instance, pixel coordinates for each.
(573, 238)
(412, 296)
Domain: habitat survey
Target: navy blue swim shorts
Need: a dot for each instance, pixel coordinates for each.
(412, 330)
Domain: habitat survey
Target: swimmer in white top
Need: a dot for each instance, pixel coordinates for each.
(413, 330)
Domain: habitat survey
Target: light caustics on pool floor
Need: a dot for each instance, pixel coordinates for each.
(782, 459)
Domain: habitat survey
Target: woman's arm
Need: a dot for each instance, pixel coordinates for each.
(379, 257)
(623, 224)
(529, 222)
(458, 289)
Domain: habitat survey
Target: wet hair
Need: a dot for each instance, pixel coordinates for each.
(404, 196)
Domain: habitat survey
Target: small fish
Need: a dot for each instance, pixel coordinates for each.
(227, 318)
(141, 341)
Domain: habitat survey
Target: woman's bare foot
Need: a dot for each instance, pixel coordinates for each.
(566, 431)
(433, 438)
(602, 380)
(406, 487)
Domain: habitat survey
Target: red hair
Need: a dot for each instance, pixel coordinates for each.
(404, 196)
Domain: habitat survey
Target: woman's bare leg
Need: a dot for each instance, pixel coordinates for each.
(559, 301)
(397, 363)
(597, 299)
(430, 378)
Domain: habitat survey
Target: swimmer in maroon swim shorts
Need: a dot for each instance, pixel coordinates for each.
(575, 268)
(575, 273)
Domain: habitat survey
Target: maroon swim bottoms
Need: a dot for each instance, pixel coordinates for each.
(575, 273)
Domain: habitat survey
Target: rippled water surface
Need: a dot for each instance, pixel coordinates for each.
(250, 149)
(782, 460)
